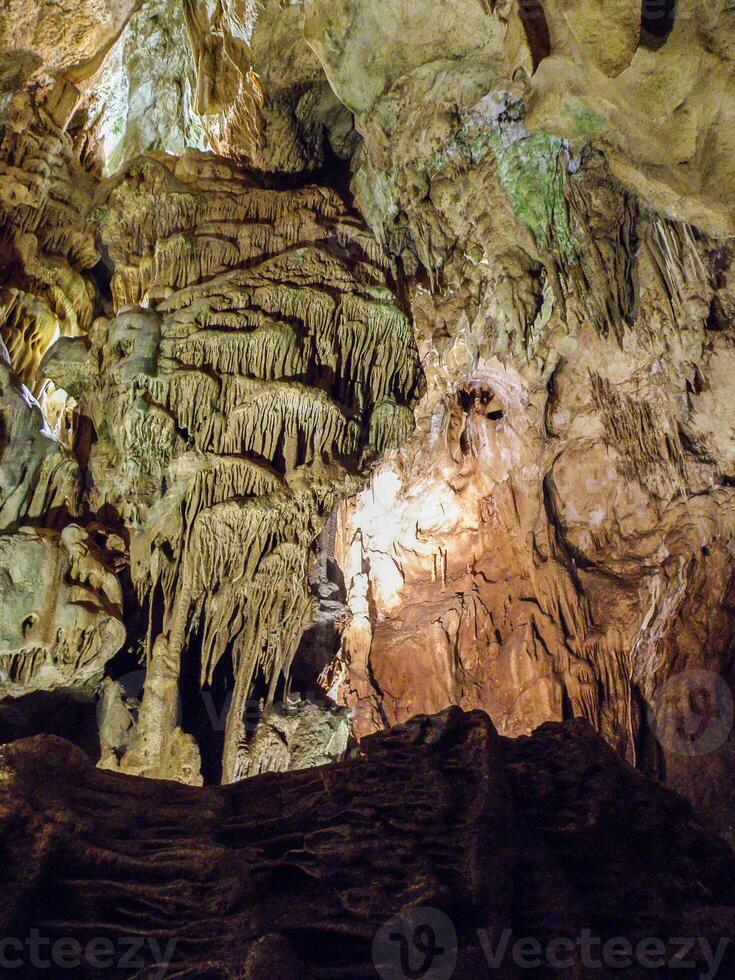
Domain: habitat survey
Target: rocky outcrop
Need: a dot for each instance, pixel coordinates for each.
(541, 548)
(440, 825)
(225, 228)
(648, 83)
(45, 40)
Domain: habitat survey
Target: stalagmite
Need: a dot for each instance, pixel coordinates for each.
(367, 445)
(459, 281)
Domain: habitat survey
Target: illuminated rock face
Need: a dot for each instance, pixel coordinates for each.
(224, 351)
(556, 540)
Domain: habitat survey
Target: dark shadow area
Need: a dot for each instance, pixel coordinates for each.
(204, 711)
(657, 22)
(481, 401)
(67, 714)
(320, 641)
(536, 28)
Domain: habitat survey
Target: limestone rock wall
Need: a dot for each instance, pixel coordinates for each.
(556, 541)
(232, 231)
(201, 362)
(248, 368)
(246, 394)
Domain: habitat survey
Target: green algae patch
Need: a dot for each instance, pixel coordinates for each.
(531, 169)
(531, 172)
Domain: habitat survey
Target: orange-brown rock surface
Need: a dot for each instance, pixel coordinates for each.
(556, 539)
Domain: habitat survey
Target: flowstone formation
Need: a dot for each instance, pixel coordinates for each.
(556, 540)
(256, 367)
(202, 361)
(546, 839)
(273, 372)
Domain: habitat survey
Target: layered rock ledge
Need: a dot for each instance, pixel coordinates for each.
(296, 874)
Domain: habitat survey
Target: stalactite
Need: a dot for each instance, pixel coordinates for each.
(647, 440)
(217, 440)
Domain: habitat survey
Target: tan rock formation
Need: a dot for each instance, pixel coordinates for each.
(45, 247)
(256, 369)
(660, 104)
(47, 39)
(60, 625)
(224, 354)
(61, 603)
(296, 734)
(540, 548)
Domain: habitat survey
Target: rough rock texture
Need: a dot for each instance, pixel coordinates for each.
(293, 874)
(294, 735)
(661, 108)
(221, 351)
(61, 611)
(256, 368)
(248, 392)
(557, 539)
(250, 367)
(60, 599)
(46, 39)
(46, 249)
